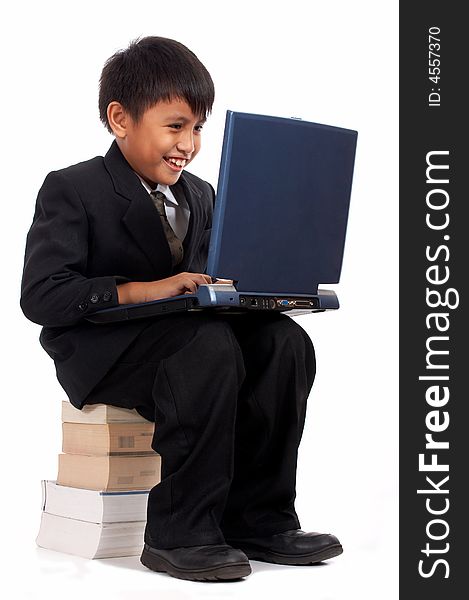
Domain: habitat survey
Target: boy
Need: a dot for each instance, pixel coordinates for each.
(228, 393)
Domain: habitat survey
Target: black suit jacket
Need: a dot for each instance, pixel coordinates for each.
(96, 226)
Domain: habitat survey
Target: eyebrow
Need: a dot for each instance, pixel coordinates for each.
(179, 117)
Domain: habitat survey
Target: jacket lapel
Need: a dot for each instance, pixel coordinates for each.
(141, 218)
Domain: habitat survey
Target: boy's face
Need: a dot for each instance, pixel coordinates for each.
(162, 143)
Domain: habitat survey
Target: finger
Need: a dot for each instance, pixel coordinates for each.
(206, 278)
(201, 279)
(191, 286)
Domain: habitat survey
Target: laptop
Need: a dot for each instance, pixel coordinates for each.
(279, 221)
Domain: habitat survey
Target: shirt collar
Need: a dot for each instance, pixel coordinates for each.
(164, 189)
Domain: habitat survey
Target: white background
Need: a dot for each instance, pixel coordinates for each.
(333, 63)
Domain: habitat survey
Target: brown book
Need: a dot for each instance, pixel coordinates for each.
(99, 413)
(108, 438)
(109, 473)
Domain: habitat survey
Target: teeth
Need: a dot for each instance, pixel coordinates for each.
(178, 162)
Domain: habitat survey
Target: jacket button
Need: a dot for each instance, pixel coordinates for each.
(83, 306)
(94, 298)
(107, 296)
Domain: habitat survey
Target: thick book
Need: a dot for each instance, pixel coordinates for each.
(90, 540)
(107, 438)
(95, 506)
(109, 473)
(99, 413)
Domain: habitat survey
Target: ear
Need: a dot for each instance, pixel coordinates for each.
(118, 119)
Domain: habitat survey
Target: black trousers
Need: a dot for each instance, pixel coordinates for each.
(228, 395)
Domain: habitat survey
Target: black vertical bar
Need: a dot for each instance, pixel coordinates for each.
(434, 260)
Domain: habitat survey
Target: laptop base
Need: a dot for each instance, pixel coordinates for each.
(221, 298)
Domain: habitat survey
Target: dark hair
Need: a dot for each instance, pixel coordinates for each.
(154, 69)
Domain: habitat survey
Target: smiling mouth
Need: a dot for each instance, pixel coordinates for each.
(176, 164)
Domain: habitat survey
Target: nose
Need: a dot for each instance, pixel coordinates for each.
(185, 142)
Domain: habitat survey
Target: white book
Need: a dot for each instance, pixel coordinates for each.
(93, 505)
(90, 540)
(99, 413)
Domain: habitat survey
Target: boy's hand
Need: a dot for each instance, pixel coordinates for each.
(135, 292)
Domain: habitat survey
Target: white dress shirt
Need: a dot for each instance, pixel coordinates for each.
(178, 213)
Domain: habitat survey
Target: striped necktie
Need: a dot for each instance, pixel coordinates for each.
(175, 244)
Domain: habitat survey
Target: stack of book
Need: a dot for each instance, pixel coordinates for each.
(97, 506)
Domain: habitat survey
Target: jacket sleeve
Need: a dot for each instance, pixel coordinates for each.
(54, 290)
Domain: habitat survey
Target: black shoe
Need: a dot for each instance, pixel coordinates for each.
(293, 547)
(198, 563)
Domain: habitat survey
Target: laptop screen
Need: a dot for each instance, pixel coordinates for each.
(282, 203)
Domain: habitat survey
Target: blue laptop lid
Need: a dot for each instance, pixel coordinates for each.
(282, 203)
